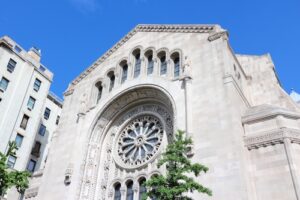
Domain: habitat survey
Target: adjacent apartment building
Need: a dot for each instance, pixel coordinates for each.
(29, 113)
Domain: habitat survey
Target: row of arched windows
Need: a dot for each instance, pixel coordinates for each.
(129, 193)
(163, 68)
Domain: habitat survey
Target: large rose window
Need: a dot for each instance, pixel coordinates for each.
(139, 141)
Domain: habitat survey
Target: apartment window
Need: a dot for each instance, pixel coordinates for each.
(11, 161)
(11, 65)
(37, 85)
(30, 103)
(42, 68)
(19, 140)
(42, 130)
(24, 122)
(31, 166)
(57, 120)
(3, 84)
(36, 149)
(18, 49)
(47, 113)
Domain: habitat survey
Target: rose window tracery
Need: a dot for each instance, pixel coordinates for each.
(139, 141)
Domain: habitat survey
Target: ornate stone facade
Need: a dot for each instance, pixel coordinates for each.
(121, 112)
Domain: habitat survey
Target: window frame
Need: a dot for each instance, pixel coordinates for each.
(44, 128)
(150, 64)
(57, 119)
(34, 166)
(129, 190)
(47, 113)
(137, 65)
(9, 161)
(3, 79)
(30, 103)
(24, 125)
(99, 91)
(36, 87)
(11, 65)
(124, 73)
(117, 188)
(19, 144)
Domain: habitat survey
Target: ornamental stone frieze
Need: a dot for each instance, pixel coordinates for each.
(272, 138)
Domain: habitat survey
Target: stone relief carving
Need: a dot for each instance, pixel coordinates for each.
(272, 138)
(90, 170)
(139, 141)
(186, 68)
(215, 36)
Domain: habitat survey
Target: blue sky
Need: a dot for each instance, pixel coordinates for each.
(74, 33)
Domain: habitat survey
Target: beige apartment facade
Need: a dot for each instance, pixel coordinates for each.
(123, 110)
(24, 99)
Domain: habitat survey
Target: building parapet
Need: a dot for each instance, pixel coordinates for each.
(55, 99)
(26, 56)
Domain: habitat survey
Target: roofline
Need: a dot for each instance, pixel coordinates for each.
(176, 28)
(9, 46)
(55, 99)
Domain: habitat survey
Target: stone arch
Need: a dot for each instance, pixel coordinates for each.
(94, 91)
(95, 173)
(160, 53)
(150, 51)
(172, 56)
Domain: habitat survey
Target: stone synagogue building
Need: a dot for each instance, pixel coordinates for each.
(123, 110)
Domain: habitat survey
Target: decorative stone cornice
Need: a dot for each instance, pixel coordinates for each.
(267, 111)
(180, 28)
(218, 35)
(272, 138)
(69, 92)
(32, 192)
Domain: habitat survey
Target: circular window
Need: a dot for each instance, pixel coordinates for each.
(139, 141)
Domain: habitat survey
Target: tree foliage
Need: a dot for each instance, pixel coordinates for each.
(9, 177)
(176, 184)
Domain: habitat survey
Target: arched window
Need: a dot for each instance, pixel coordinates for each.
(117, 193)
(143, 189)
(99, 90)
(176, 61)
(137, 63)
(150, 62)
(163, 63)
(111, 77)
(129, 193)
(124, 71)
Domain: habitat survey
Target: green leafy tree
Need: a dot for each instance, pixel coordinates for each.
(176, 183)
(9, 177)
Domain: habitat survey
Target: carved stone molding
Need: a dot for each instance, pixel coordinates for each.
(69, 92)
(272, 138)
(96, 169)
(215, 36)
(31, 193)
